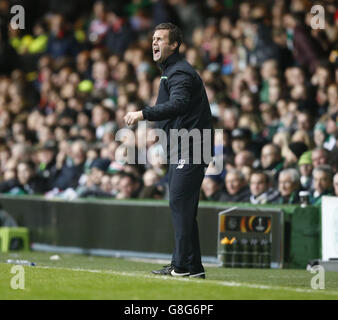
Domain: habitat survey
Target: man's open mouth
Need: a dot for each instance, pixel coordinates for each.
(156, 51)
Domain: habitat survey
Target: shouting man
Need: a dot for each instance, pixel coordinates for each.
(182, 105)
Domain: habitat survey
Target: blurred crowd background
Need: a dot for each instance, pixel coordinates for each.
(70, 76)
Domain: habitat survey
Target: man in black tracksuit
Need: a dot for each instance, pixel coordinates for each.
(182, 104)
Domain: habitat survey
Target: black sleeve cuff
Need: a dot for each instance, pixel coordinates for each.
(144, 112)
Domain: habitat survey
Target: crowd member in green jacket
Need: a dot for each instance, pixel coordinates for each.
(35, 43)
(322, 181)
(288, 186)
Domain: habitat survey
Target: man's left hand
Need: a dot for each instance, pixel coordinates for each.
(132, 117)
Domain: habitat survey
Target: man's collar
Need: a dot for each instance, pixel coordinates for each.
(174, 57)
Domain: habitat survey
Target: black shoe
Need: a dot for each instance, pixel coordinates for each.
(175, 272)
(197, 275)
(166, 271)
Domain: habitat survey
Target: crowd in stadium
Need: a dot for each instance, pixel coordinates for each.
(68, 79)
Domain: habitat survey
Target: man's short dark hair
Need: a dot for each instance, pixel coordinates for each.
(266, 176)
(324, 168)
(276, 148)
(175, 33)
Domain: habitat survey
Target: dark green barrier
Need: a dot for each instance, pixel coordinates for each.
(145, 226)
(305, 236)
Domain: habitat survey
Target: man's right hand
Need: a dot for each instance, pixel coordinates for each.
(132, 117)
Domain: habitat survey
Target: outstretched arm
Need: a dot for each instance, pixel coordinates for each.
(180, 88)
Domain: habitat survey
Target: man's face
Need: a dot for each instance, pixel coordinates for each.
(268, 156)
(209, 186)
(305, 169)
(96, 176)
(126, 187)
(78, 154)
(318, 158)
(238, 145)
(24, 173)
(233, 183)
(46, 156)
(161, 47)
(319, 137)
(99, 116)
(106, 183)
(240, 160)
(229, 120)
(321, 181)
(335, 184)
(150, 178)
(258, 184)
(303, 122)
(285, 185)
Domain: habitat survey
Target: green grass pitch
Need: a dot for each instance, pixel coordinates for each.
(88, 277)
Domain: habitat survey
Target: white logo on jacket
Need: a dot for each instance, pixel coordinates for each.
(181, 163)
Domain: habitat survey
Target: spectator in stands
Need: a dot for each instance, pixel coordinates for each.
(319, 134)
(119, 35)
(45, 157)
(319, 156)
(101, 118)
(305, 120)
(212, 187)
(98, 26)
(271, 159)
(305, 169)
(106, 184)
(62, 42)
(230, 118)
(296, 150)
(27, 181)
(35, 43)
(247, 171)
(115, 181)
(128, 187)
(92, 187)
(263, 46)
(103, 86)
(303, 46)
(335, 184)
(70, 167)
(237, 189)
(20, 152)
(303, 137)
(260, 188)
(244, 158)
(322, 181)
(332, 97)
(331, 129)
(241, 139)
(151, 188)
(288, 186)
(83, 66)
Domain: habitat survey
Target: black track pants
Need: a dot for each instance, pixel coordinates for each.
(184, 190)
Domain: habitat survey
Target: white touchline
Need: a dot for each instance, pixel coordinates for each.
(214, 282)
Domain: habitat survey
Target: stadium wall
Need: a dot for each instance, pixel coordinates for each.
(145, 226)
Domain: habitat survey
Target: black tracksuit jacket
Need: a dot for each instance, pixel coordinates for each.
(182, 102)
